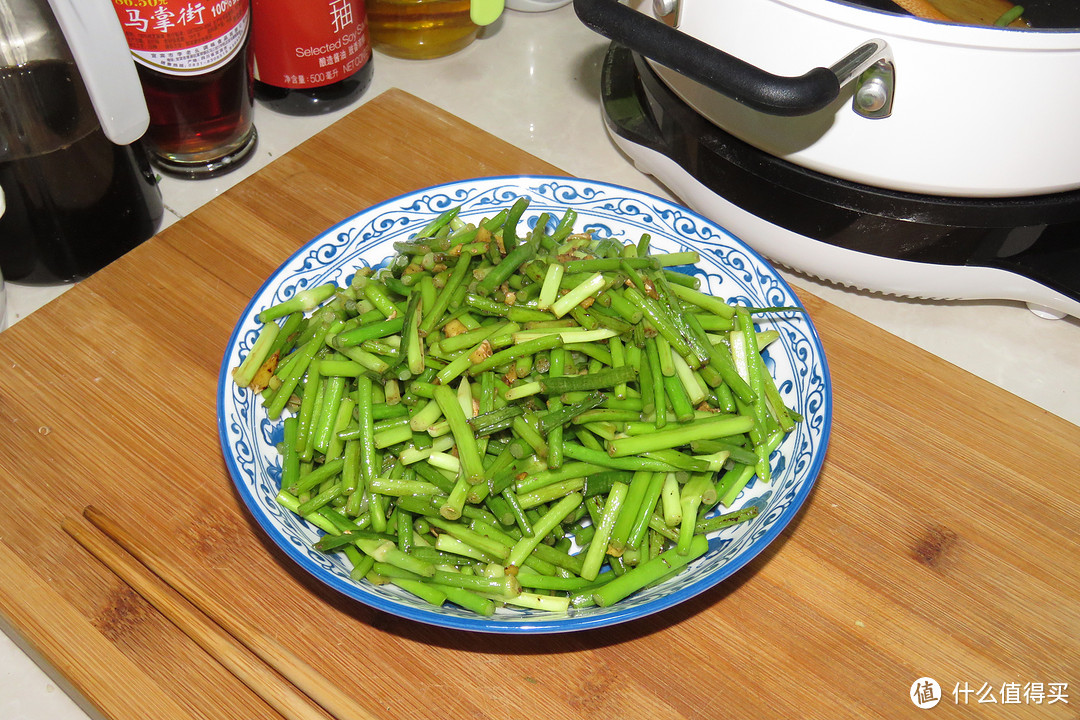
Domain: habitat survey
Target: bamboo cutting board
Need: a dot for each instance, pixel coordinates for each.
(940, 539)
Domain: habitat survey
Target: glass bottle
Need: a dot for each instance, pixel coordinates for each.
(78, 189)
(421, 29)
(311, 57)
(194, 62)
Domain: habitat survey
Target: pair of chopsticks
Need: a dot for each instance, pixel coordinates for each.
(284, 680)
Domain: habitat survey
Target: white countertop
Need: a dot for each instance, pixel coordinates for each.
(548, 65)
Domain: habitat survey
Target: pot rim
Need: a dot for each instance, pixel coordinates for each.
(870, 20)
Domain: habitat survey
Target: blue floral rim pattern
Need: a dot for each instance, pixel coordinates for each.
(728, 269)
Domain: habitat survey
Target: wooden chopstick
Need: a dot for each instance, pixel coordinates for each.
(78, 649)
(258, 676)
(284, 680)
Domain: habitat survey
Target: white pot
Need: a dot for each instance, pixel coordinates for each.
(975, 112)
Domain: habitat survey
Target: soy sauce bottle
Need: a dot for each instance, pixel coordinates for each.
(78, 188)
(311, 57)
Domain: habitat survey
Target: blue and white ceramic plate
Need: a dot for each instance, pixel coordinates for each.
(728, 269)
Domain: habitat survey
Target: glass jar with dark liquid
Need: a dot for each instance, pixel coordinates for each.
(195, 64)
(75, 200)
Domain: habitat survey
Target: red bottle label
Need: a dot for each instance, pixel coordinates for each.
(184, 37)
(308, 44)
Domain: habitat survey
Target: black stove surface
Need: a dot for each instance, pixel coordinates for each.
(1037, 237)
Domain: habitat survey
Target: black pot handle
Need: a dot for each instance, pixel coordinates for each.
(714, 68)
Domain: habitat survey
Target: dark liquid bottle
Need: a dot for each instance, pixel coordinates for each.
(310, 58)
(315, 101)
(194, 63)
(202, 124)
(75, 200)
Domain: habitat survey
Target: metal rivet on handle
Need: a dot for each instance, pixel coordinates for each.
(873, 96)
(663, 8)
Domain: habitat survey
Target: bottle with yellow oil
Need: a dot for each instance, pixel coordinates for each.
(424, 29)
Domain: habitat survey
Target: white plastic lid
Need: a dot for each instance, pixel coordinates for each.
(97, 43)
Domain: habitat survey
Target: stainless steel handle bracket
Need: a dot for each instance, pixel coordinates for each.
(871, 66)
